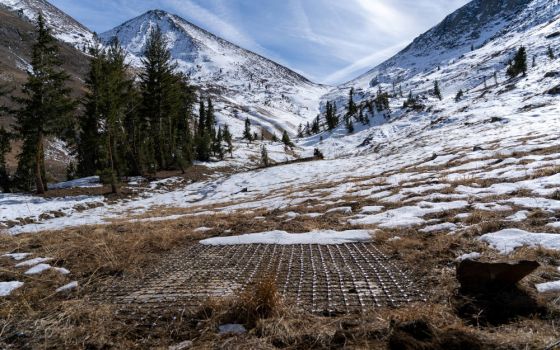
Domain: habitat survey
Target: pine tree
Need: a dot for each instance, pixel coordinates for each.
(103, 145)
(247, 135)
(308, 129)
(203, 147)
(331, 117)
(5, 148)
(459, 95)
(217, 147)
(519, 63)
(550, 53)
(300, 131)
(286, 139)
(228, 140)
(382, 100)
(185, 139)
(45, 106)
(316, 127)
(264, 157)
(210, 119)
(201, 117)
(161, 103)
(349, 125)
(352, 109)
(89, 147)
(362, 118)
(437, 91)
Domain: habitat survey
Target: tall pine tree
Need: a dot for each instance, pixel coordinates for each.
(45, 107)
(519, 63)
(161, 104)
(5, 147)
(352, 109)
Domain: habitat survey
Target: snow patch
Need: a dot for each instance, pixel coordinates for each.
(506, 241)
(6, 288)
(322, 237)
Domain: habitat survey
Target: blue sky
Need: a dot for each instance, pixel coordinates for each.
(328, 41)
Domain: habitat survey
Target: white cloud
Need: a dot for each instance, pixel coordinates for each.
(213, 23)
(369, 61)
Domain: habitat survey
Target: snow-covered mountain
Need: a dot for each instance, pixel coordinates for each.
(64, 27)
(245, 84)
(473, 26)
(468, 51)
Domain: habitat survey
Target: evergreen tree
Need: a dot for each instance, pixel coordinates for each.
(103, 145)
(316, 127)
(300, 131)
(217, 147)
(550, 53)
(185, 140)
(519, 64)
(228, 140)
(382, 100)
(161, 103)
(362, 118)
(437, 91)
(274, 138)
(331, 117)
(352, 109)
(286, 139)
(459, 95)
(210, 119)
(247, 135)
(308, 129)
(5, 148)
(201, 117)
(264, 157)
(349, 125)
(45, 107)
(89, 147)
(203, 147)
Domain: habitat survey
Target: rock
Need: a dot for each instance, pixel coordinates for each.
(553, 74)
(479, 276)
(231, 328)
(187, 344)
(554, 91)
(44, 217)
(477, 149)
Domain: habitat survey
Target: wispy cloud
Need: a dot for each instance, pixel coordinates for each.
(329, 41)
(367, 62)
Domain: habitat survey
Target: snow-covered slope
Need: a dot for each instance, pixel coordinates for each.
(64, 27)
(470, 27)
(494, 30)
(246, 84)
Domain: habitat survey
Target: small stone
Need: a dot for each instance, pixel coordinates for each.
(187, 344)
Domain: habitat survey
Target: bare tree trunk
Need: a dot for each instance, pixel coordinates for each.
(38, 165)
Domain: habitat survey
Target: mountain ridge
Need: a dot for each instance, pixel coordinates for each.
(246, 84)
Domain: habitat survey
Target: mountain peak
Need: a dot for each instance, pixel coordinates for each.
(156, 13)
(249, 85)
(64, 27)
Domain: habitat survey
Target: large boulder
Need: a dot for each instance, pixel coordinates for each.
(480, 276)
